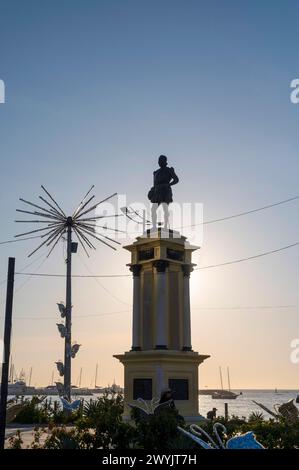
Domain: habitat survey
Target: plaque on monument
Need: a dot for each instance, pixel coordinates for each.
(142, 388)
(144, 255)
(176, 255)
(179, 388)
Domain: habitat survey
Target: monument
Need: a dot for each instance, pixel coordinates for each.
(161, 355)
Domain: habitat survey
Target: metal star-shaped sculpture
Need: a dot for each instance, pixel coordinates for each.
(57, 222)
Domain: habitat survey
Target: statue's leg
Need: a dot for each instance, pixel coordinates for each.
(154, 214)
(166, 215)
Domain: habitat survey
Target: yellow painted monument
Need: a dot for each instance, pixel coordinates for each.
(161, 356)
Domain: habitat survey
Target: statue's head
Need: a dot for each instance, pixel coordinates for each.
(162, 161)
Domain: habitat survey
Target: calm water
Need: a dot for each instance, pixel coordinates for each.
(243, 405)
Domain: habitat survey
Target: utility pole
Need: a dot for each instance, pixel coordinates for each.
(68, 318)
(84, 226)
(7, 339)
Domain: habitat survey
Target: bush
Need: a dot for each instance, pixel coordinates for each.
(32, 412)
(100, 426)
(157, 431)
(35, 411)
(104, 417)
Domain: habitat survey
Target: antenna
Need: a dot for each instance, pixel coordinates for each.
(53, 224)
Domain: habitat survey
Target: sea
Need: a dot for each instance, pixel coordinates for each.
(242, 406)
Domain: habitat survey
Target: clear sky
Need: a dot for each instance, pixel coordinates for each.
(95, 91)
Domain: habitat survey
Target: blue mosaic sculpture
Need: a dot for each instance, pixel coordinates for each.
(243, 441)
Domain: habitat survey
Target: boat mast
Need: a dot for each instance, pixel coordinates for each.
(11, 372)
(228, 379)
(30, 376)
(80, 377)
(221, 381)
(96, 377)
(52, 379)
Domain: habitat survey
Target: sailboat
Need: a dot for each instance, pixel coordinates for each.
(97, 388)
(224, 394)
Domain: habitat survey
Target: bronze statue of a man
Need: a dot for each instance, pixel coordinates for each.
(161, 192)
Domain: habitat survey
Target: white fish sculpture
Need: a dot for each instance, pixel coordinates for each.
(243, 441)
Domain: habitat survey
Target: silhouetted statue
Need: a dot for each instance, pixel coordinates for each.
(161, 192)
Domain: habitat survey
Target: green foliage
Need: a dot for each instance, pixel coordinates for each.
(36, 412)
(272, 434)
(157, 431)
(100, 426)
(275, 434)
(16, 441)
(104, 417)
(256, 417)
(35, 444)
(32, 412)
(61, 438)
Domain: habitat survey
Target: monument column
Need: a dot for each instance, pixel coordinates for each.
(161, 304)
(161, 355)
(187, 269)
(135, 268)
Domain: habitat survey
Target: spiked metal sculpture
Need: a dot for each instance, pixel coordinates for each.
(85, 228)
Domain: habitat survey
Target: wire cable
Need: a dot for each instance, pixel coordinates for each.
(74, 316)
(101, 285)
(19, 240)
(248, 258)
(226, 263)
(202, 307)
(212, 221)
(240, 214)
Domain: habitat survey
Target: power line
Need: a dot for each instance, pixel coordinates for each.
(254, 307)
(248, 258)
(212, 221)
(101, 285)
(73, 275)
(3, 281)
(18, 240)
(247, 307)
(240, 214)
(75, 316)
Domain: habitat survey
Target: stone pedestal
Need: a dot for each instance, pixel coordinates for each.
(161, 355)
